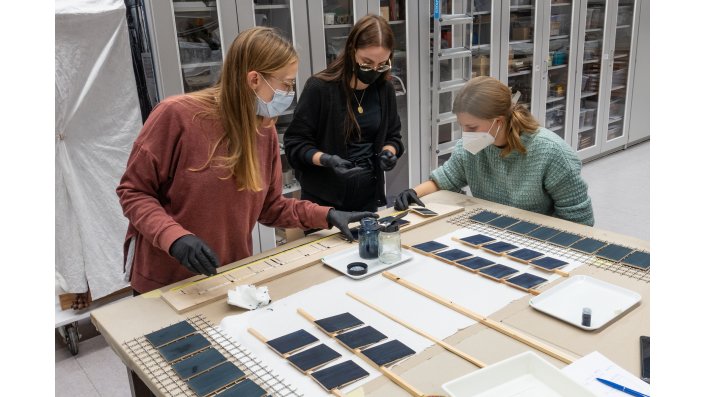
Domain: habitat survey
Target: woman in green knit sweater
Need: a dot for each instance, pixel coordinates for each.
(506, 157)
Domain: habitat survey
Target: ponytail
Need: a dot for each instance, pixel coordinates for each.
(519, 121)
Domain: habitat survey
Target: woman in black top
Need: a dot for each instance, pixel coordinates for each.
(346, 130)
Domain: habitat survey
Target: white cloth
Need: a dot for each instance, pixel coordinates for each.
(97, 120)
(249, 297)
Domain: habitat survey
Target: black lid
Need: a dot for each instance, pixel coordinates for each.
(391, 228)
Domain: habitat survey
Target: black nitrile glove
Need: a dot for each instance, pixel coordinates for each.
(193, 253)
(387, 160)
(342, 168)
(405, 198)
(341, 219)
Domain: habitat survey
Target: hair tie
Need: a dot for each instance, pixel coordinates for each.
(515, 99)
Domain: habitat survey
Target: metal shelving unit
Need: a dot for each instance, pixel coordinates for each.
(451, 68)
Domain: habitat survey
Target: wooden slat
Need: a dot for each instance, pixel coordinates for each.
(497, 326)
(191, 295)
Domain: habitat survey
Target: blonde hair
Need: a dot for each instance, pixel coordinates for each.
(487, 98)
(233, 101)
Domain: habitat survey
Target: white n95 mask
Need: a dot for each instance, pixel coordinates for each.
(474, 142)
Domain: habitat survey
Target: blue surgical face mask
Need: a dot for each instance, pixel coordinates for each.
(279, 103)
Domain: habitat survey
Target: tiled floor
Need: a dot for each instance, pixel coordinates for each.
(618, 185)
(95, 371)
(619, 188)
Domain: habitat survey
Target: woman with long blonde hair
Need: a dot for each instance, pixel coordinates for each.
(206, 167)
(506, 157)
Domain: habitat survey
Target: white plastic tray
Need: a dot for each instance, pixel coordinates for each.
(339, 261)
(524, 375)
(567, 300)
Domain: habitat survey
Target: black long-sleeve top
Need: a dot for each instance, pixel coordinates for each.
(319, 124)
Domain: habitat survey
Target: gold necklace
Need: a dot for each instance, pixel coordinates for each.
(359, 102)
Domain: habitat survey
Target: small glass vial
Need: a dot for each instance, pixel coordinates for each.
(368, 238)
(390, 244)
(587, 316)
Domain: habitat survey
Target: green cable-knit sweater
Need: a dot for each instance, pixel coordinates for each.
(546, 179)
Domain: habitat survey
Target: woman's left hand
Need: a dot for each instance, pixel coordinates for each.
(341, 219)
(387, 160)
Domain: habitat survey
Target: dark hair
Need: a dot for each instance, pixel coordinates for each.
(370, 31)
(488, 98)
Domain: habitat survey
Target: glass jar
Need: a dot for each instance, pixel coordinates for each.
(390, 244)
(368, 238)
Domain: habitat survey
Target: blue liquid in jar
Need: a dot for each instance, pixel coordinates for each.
(368, 244)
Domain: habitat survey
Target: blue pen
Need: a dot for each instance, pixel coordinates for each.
(621, 388)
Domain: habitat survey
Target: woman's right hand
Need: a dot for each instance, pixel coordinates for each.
(195, 255)
(405, 198)
(342, 168)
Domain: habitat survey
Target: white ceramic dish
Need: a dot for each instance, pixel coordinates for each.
(339, 261)
(524, 375)
(567, 300)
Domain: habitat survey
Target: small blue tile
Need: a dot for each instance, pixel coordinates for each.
(503, 222)
(475, 263)
(564, 239)
(361, 337)
(477, 239)
(524, 254)
(484, 216)
(170, 333)
(498, 271)
(588, 245)
(543, 233)
(313, 358)
(453, 254)
(217, 378)
(339, 322)
(614, 252)
(526, 281)
(499, 247)
(548, 263)
(388, 353)
(292, 342)
(639, 259)
(339, 375)
(198, 363)
(183, 347)
(523, 227)
(430, 246)
(246, 388)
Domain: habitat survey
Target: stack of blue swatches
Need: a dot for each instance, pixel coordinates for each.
(204, 369)
(488, 267)
(349, 331)
(586, 245)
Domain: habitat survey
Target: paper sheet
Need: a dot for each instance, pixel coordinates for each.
(595, 365)
(467, 289)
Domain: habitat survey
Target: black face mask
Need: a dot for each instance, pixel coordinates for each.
(368, 77)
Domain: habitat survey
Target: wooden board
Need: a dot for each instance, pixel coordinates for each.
(192, 295)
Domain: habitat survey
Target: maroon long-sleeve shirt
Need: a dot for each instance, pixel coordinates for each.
(164, 199)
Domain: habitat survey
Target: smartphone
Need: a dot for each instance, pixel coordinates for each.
(423, 211)
(645, 354)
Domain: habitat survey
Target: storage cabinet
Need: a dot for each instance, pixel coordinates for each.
(603, 99)
(572, 60)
